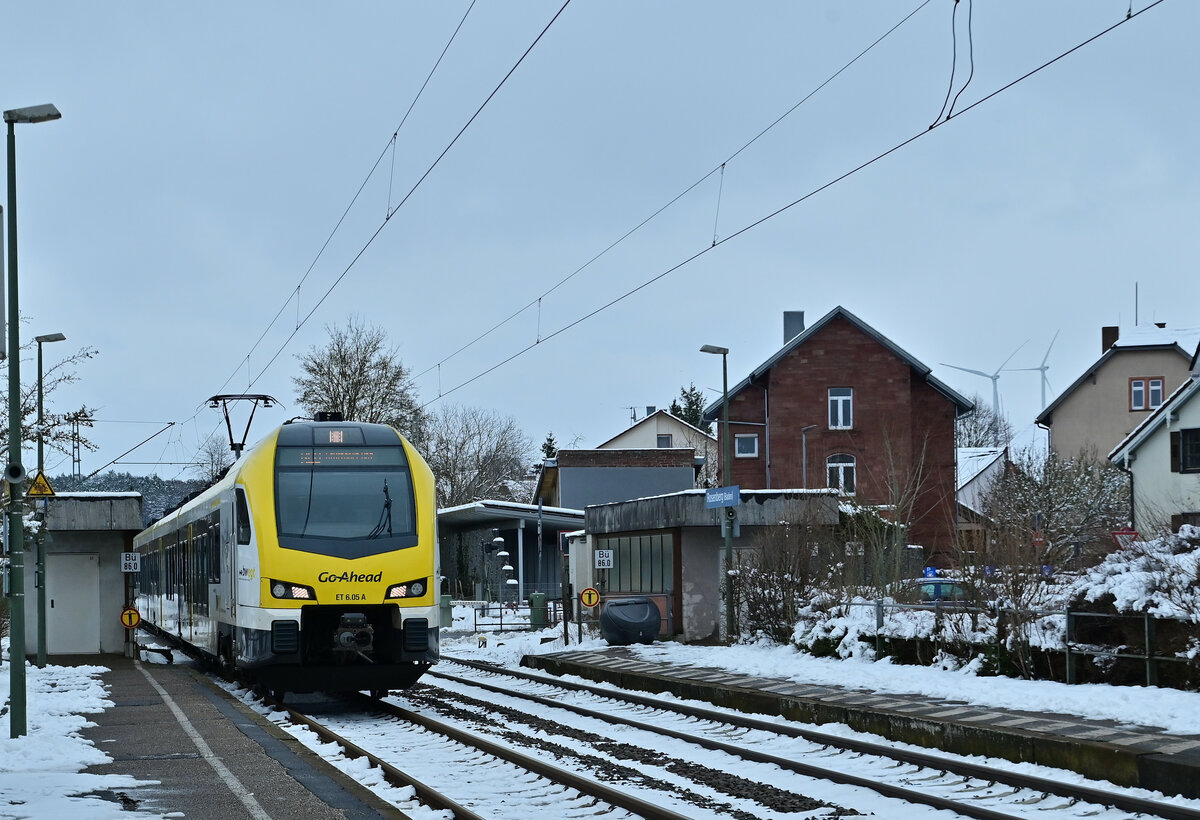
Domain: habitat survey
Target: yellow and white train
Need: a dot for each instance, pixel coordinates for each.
(312, 565)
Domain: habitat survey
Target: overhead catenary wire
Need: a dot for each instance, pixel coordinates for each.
(663, 208)
(411, 191)
(300, 322)
(375, 166)
(756, 223)
(970, 53)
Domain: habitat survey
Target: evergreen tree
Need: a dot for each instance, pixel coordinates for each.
(690, 407)
(549, 446)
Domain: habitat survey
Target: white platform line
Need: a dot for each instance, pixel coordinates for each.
(206, 752)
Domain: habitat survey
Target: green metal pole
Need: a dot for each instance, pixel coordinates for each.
(40, 580)
(727, 479)
(16, 546)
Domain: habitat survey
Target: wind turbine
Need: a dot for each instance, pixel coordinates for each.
(1043, 367)
(995, 377)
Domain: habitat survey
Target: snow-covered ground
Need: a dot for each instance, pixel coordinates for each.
(41, 774)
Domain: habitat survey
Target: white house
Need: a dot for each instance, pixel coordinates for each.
(1162, 456)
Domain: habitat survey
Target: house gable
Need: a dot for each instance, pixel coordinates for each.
(895, 424)
(1098, 410)
(1160, 456)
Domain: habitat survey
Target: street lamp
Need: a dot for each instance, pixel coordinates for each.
(14, 472)
(726, 471)
(804, 453)
(40, 582)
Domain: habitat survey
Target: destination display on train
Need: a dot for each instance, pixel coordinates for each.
(340, 456)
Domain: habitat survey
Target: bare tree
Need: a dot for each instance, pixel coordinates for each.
(213, 460)
(1046, 509)
(477, 454)
(985, 426)
(60, 431)
(358, 374)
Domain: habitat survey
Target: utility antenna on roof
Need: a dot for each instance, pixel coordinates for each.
(223, 401)
(1043, 367)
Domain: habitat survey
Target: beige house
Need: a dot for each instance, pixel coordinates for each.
(662, 430)
(1136, 372)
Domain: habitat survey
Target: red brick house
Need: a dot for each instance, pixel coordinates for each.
(841, 405)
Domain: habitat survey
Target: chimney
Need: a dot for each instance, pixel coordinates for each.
(793, 324)
(1108, 337)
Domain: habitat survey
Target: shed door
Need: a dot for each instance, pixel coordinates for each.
(73, 604)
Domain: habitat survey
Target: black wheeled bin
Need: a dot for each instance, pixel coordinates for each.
(629, 620)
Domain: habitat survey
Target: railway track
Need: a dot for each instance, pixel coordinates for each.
(506, 743)
(969, 788)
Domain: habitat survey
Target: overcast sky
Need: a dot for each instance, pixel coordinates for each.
(172, 218)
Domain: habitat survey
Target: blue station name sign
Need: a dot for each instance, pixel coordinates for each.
(722, 497)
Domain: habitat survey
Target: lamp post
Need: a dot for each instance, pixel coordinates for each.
(40, 582)
(726, 470)
(14, 472)
(804, 453)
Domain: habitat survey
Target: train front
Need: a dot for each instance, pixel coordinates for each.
(353, 564)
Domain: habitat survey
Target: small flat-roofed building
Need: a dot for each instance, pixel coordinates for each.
(670, 549)
(84, 535)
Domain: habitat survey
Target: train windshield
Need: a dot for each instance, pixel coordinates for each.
(345, 501)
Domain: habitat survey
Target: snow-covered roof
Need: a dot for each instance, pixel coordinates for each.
(666, 413)
(972, 461)
(1186, 338)
(1185, 341)
(1143, 431)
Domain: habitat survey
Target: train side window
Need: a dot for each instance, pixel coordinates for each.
(242, 517)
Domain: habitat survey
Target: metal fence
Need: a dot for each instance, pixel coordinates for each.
(1074, 649)
(1148, 652)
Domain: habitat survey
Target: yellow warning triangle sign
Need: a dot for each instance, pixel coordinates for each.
(40, 486)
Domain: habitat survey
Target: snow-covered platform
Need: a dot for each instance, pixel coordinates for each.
(210, 755)
(1124, 754)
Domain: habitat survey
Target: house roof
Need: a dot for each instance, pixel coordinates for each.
(487, 512)
(646, 420)
(962, 404)
(971, 461)
(1184, 341)
(1152, 422)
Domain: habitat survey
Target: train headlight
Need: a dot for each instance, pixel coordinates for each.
(289, 591)
(409, 589)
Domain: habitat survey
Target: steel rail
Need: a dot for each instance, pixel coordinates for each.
(396, 777)
(963, 768)
(556, 774)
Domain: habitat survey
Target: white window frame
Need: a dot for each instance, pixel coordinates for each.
(1145, 393)
(670, 441)
(738, 439)
(1137, 394)
(1155, 387)
(845, 464)
(844, 402)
